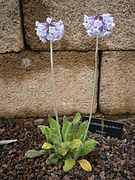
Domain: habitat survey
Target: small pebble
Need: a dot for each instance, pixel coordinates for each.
(39, 121)
(2, 131)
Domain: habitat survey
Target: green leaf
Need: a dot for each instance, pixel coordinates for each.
(52, 159)
(76, 152)
(82, 130)
(55, 139)
(69, 164)
(64, 151)
(85, 164)
(65, 125)
(68, 155)
(53, 128)
(46, 131)
(65, 144)
(75, 143)
(65, 147)
(43, 151)
(69, 132)
(57, 150)
(60, 164)
(32, 153)
(47, 146)
(88, 146)
(74, 131)
(77, 118)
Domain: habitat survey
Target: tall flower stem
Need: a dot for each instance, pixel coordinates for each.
(94, 88)
(53, 87)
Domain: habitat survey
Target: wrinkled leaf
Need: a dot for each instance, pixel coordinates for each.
(70, 132)
(65, 144)
(46, 131)
(76, 152)
(88, 146)
(65, 147)
(55, 139)
(69, 164)
(52, 159)
(68, 155)
(53, 126)
(43, 151)
(47, 146)
(65, 125)
(32, 153)
(85, 165)
(74, 131)
(82, 130)
(60, 164)
(64, 151)
(75, 143)
(57, 150)
(77, 118)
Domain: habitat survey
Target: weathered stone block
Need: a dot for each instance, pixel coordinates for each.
(11, 38)
(25, 83)
(117, 93)
(72, 13)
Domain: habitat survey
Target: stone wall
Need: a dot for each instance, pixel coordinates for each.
(25, 84)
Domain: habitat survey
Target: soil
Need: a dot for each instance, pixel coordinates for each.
(112, 159)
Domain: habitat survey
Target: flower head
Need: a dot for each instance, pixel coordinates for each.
(99, 25)
(49, 30)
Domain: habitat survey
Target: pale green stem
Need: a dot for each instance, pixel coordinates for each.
(53, 87)
(94, 88)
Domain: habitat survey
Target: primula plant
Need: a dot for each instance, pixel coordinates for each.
(51, 31)
(64, 148)
(67, 145)
(97, 26)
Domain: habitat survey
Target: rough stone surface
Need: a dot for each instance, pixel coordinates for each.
(11, 38)
(117, 94)
(27, 92)
(72, 12)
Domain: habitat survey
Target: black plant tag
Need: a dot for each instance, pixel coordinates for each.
(105, 127)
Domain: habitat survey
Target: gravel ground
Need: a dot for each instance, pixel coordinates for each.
(112, 159)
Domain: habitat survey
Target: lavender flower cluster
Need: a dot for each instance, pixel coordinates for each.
(49, 30)
(98, 25)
